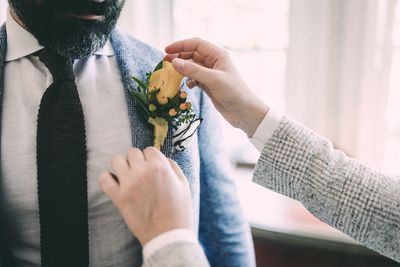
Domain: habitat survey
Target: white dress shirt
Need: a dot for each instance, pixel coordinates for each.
(266, 129)
(108, 133)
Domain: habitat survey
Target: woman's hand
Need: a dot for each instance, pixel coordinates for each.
(150, 191)
(212, 68)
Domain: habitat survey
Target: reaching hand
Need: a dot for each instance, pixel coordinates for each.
(211, 67)
(150, 191)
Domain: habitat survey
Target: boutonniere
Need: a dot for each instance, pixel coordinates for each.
(165, 105)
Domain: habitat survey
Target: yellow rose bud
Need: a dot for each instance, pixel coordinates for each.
(172, 112)
(183, 106)
(183, 95)
(168, 80)
(189, 105)
(152, 107)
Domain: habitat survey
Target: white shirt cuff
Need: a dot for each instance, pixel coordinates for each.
(266, 129)
(167, 238)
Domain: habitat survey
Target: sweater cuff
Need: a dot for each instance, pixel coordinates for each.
(166, 239)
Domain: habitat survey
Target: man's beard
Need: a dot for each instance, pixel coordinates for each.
(50, 21)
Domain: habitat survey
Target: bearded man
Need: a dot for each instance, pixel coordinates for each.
(66, 109)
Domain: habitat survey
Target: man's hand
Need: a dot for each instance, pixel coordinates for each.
(150, 191)
(212, 68)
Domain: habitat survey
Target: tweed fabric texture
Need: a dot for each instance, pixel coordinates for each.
(339, 190)
(61, 163)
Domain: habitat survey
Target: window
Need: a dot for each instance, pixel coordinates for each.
(392, 144)
(3, 9)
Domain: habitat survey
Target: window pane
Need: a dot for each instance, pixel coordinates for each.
(265, 72)
(238, 23)
(396, 28)
(392, 144)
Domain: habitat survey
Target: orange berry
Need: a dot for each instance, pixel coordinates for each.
(172, 112)
(183, 106)
(183, 95)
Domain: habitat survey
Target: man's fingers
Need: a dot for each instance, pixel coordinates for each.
(120, 166)
(151, 153)
(109, 185)
(192, 70)
(135, 156)
(178, 171)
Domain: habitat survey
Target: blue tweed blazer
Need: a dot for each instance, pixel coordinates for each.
(223, 231)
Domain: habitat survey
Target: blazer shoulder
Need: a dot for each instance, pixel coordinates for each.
(3, 41)
(135, 49)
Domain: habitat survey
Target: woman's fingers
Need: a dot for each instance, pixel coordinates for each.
(191, 83)
(203, 48)
(196, 57)
(170, 57)
(192, 70)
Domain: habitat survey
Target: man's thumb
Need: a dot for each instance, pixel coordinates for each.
(192, 70)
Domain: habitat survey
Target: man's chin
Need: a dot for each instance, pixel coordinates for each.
(76, 47)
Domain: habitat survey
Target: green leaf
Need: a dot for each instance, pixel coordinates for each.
(148, 75)
(159, 66)
(154, 92)
(144, 109)
(173, 102)
(142, 96)
(143, 104)
(141, 84)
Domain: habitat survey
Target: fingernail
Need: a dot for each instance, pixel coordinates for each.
(178, 63)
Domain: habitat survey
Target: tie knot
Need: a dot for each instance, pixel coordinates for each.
(60, 67)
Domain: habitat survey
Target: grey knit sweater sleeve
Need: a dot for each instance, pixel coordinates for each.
(340, 191)
(181, 254)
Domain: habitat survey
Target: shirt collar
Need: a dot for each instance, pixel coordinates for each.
(21, 43)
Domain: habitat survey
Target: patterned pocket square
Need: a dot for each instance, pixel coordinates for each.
(184, 132)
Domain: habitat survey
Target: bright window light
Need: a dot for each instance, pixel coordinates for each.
(392, 144)
(256, 34)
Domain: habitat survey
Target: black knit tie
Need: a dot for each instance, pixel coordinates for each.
(61, 164)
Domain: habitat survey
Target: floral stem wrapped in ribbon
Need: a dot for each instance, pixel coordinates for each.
(162, 100)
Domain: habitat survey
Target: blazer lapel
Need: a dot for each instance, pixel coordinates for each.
(3, 52)
(131, 63)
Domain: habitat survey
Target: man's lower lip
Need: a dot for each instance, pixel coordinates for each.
(86, 17)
